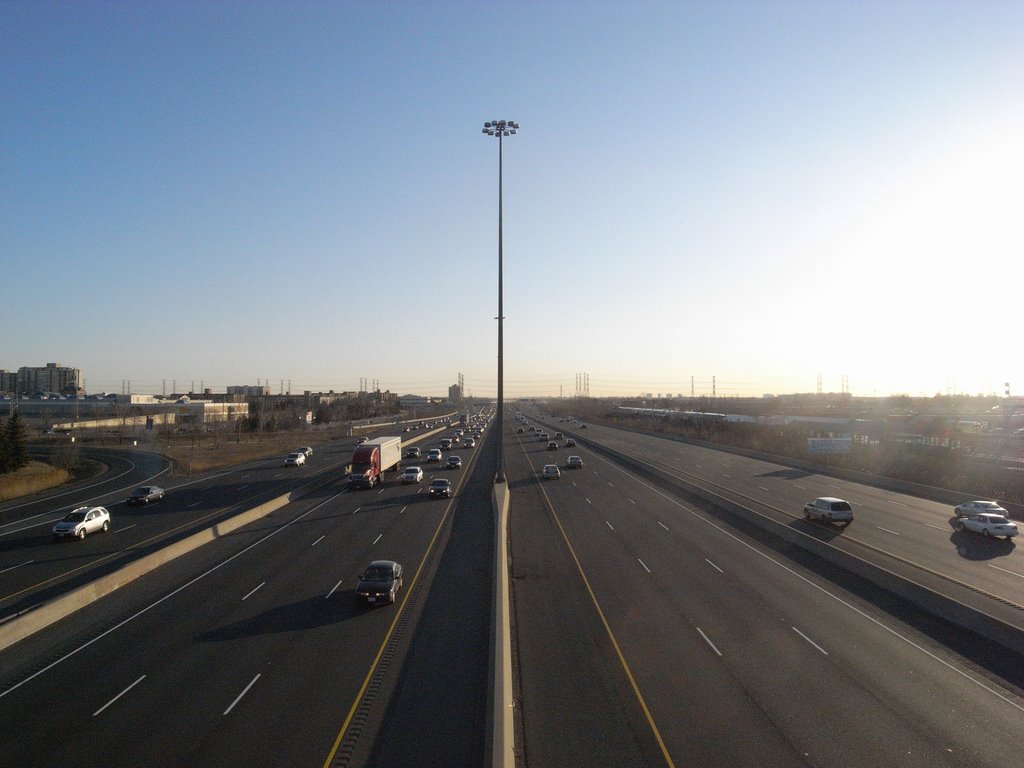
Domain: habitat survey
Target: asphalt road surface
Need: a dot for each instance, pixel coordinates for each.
(253, 649)
(650, 633)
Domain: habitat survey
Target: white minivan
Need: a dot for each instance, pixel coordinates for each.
(830, 509)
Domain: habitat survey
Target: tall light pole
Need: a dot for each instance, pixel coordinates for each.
(501, 129)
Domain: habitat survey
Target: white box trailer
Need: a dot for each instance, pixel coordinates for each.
(372, 459)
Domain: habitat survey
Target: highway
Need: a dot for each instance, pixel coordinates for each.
(33, 568)
(652, 633)
(648, 631)
(252, 649)
(904, 527)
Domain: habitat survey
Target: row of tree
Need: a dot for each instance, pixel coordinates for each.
(13, 452)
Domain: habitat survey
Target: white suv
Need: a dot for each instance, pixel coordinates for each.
(82, 521)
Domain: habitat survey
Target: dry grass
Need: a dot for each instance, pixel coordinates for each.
(211, 453)
(36, 477)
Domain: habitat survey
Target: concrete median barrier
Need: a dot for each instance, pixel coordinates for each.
(501, 737)
(946, 606)
(48, 613)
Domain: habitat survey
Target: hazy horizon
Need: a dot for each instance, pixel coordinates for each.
(756, 193)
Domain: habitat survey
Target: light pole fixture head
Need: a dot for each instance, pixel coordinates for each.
(500, 128)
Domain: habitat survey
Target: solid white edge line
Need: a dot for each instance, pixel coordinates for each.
(11, 568)
(805, 637)
(713, 565)
(122, 693)
(168, 596)
(253, 591)
(1012, 573)
(813, 585)
(239, 697)
(708, 641)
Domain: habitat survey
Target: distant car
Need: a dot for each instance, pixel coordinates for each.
(570, 443)
(295, 459)
(440, 487)
(446, 444)
(829, 509)
(543, 437)
(380, 582)
(533, 429)
(969, 508)
(434, 454)
(454, 462)
(552, 446)
(559, 435)
(550, 472)
(413, 453)
(574, 462)
(520, 431)
(583, 426)
(468, 442)
(412, 475)
(361, 440)
(82, 521)
(146, 494)
(988, 524)
(306, 450)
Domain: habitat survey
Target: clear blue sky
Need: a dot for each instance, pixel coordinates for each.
(760, 192)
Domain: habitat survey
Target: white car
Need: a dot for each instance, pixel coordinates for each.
(829, 509)
(575, 462)
(970, 508)
(434, 454)
(295, 459)
(550, 472)
(412, 475)
(306, 450)
(468, 442)
(988, 524)
(82, 521)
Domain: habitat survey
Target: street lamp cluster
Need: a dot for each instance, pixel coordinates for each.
(500, 128)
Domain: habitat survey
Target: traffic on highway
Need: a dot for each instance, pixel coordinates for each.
(690, 635)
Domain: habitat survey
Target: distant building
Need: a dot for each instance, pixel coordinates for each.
(249, 390)
(455, 393)
(52, 377)
(8, 381)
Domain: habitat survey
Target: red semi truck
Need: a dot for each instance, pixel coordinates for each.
(372, 459)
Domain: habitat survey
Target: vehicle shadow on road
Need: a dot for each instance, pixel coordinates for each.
(787, 474)
(974, 546)
(310, 613)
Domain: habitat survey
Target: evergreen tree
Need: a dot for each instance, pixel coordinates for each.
(3, 449)
(15, 452)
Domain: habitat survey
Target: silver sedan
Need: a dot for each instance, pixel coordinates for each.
(988, 524)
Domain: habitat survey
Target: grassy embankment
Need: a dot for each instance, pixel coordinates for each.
(33, 478)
